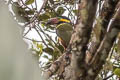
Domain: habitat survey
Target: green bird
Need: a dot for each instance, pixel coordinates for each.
(64, 29)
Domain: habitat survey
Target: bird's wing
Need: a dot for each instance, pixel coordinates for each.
(64, 31)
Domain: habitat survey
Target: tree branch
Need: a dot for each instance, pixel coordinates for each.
(103, 51)
(35, 16)
(108, 77)
(99, 30)
(58, 65)
(81, 36)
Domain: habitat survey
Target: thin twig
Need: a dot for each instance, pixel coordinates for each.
(60, 62)
(50, 31)
(36, 4)
(25, 4)
(69, 10)
(31, 39)
(108, 77)
(41, 37)
(47, 36)
(27, 32)
(111, 53)
(35, 16)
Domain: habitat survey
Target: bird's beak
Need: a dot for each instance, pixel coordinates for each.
(48, 22)
(52, 21)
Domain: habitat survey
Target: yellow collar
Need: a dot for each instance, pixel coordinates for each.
(65, 20)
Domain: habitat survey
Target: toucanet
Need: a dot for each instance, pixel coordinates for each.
(64, 29)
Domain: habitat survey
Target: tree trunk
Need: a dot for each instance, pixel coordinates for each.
(79, 69)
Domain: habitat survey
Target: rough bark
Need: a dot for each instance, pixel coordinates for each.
(54, 67)
(82, 67)
(80, 38)
(81, 70)
(99, 29)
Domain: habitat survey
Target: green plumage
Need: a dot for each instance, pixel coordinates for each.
(64, 31)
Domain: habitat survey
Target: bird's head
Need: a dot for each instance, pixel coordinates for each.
(58, 20)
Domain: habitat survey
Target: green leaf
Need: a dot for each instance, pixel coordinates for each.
(38, 53)
(40, 46)
(52, 14)
(19, 13)
(55, 55)
(75, 12)
(44, 17)
(29, 12)
(50, 27)
(117, 72)
(34, 42)
(48, 50)
(60, 10)
(49, 42)
(28, 2)
(42, 25)
(45, 56)
(60, 47)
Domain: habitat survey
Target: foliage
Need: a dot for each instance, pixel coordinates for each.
(28, 2)
(27, 12)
